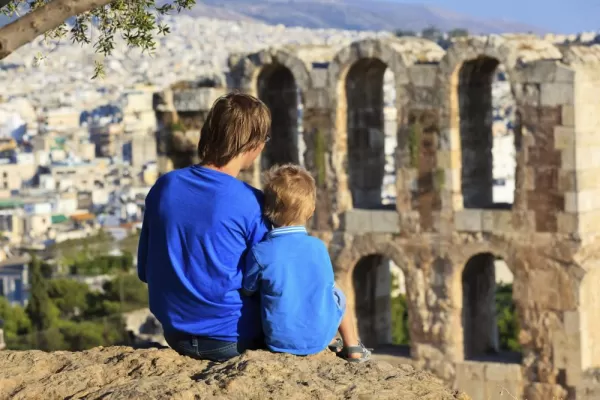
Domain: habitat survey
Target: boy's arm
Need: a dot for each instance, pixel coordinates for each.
(252, 274)
(142, 254)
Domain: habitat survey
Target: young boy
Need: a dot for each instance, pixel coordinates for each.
(301, 307)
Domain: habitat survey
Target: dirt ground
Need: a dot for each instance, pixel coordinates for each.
(125, 373)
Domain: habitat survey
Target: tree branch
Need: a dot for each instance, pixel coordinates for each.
(40, 21)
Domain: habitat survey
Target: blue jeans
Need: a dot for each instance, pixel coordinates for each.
(202, 348)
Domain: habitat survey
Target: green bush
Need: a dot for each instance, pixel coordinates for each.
(127, 289)
(69, 296)
(399, 309)
(102, 265)
(87, 334)
(16, 323)
(400, 328)
(506, 316)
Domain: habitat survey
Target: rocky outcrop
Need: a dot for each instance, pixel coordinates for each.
(125, 373)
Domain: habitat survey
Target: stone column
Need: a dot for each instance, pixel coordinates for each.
(317, 158)
(579, 135)
(420, 179)
(549, 201)
(549, 152)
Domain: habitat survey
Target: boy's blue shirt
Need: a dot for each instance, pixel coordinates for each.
(293, 275)
(198, 226)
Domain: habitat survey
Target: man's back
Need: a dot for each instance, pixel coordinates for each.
(299, 312)
(198, 225)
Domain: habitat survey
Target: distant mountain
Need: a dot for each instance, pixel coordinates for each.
(349, 14)
(355, 15)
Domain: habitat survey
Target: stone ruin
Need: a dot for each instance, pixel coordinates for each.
(443, 228)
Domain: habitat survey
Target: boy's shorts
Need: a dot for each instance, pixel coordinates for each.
(340, 299)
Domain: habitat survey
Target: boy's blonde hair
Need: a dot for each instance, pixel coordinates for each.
(290, 195)
(235, 124)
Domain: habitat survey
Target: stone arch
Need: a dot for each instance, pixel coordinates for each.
(279, 78)
(247, 69)
(276, 87)
(479, 248)
(346, 260)
(370, 302)
(363, 63)
(356, 82)
(471, 62)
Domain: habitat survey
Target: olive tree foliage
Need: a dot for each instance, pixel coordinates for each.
(137, 22)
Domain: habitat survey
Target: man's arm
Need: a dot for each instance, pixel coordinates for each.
(257, 230)
(143, 251)
(252, 274)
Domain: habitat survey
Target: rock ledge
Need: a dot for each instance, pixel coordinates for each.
(125, 373)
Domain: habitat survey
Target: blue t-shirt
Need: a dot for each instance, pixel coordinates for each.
(292, 272)
(198, 225)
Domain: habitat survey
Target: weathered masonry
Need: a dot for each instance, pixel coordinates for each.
(445, 231)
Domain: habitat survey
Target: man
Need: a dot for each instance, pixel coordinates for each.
(198, 224)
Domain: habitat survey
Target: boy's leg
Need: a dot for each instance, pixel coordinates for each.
(346, 328)
(349, 335)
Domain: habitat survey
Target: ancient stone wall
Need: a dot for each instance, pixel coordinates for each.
(180, 112)
(446, 230)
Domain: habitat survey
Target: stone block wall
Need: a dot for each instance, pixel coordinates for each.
(180, 112)
(445, 217)
(493, 381)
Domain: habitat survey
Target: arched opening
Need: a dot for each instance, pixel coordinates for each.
(488, 134)
(277, 89)
(489, 318)
(380, 303)
(371, 133)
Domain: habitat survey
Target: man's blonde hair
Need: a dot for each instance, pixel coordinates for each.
(235, 124)
(290, 195)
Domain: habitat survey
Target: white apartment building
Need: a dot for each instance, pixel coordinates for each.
(62, 119)
(13, 175)
(78, 176)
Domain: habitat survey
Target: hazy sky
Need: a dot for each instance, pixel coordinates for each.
(564, 16)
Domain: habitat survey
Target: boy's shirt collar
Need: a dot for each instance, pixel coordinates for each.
(286, 230)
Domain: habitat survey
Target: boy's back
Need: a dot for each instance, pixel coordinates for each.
(294, 276)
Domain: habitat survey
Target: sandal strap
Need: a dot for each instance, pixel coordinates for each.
(360, 349)
(337, 345)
